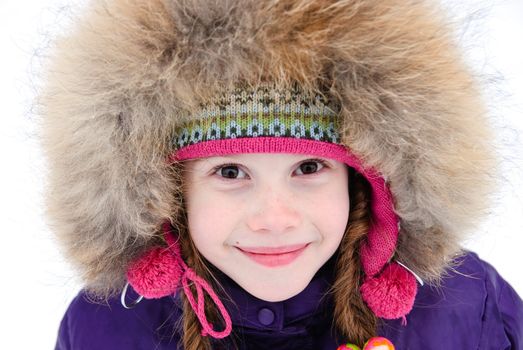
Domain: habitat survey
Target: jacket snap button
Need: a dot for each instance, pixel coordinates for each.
(265, 316)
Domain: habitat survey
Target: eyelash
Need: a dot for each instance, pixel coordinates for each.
(317, 160)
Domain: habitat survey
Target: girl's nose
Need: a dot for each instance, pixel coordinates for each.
(273, 212)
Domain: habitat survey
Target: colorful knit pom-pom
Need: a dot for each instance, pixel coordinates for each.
(378, 343)
(348, 346)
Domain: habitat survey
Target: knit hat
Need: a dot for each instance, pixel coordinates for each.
(382, 88)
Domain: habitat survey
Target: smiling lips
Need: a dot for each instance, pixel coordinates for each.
(276, 256)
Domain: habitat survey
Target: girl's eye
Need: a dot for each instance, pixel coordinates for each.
(310, 167)
(232, 171)
(229, 171)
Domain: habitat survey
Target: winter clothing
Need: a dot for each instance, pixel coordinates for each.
(132, 78)
(244, 121)
(408, 108)
(305, 128)
(474, 309)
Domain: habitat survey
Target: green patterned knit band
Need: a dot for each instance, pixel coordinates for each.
(263, 112)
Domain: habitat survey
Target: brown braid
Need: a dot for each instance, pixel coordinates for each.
(353, 318)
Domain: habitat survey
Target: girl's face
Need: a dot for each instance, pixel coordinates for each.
(268, 221)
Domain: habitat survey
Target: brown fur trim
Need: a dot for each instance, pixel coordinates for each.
(128, 72)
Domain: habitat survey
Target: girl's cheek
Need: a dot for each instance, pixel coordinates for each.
(211, 211)
(331, 208)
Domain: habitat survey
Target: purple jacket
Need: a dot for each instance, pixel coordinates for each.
(474, 309)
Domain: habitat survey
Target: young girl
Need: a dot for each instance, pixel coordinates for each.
(271, 175)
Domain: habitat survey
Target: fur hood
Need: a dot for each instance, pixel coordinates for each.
(127, 72)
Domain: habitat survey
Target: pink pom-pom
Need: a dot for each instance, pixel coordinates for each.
(391, 294)
(156, 274)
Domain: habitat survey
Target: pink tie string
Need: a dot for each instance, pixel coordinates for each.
(201, 285)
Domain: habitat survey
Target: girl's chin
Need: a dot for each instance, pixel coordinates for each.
(273, 292)
(275, 298)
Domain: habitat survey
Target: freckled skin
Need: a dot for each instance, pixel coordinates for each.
(271, 202)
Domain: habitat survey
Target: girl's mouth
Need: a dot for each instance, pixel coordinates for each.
(274, 256)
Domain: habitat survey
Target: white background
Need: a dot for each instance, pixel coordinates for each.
(38, 285)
